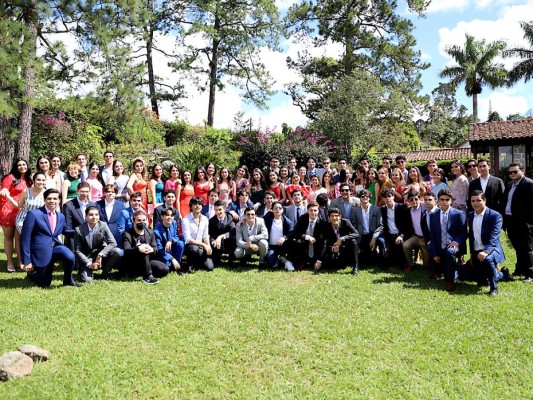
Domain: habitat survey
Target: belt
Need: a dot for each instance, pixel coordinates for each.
(419, 236)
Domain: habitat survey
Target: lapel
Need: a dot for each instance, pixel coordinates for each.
(77, 207)
(45, 217)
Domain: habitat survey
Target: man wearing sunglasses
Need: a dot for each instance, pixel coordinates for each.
(252, 237)
(346, 203)
(518, 219)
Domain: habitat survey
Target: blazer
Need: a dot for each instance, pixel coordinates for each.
(112, 221)
(346, 232)
(102, 243)
(300, 229)
(235, 206)
(456, 230)
(402, 219)
(260, 212)
(37, 240)
(338, 203)
(161, 239)
(259, 232)
(521, 208)
(493, 193)
(290, 212)
(73, 215)
(227, 229)
(491, 228)
(375, 225)
(287, 224)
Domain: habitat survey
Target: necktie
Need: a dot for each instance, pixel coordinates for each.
(310, 231)
(220, 224)
(298, 212)
(444, 230)
(52, 221)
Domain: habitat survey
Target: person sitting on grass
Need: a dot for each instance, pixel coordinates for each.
(170, 245)
(252, 237)
(95, 247)
(140, 251)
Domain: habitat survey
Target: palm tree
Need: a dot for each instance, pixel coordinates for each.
(476, 67)
(524, 68)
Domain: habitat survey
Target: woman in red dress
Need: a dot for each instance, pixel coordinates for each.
(201, 185)
(186, 194)
(137, 181)
(13, 184)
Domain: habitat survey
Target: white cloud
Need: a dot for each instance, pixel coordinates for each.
(446, 5)
(503, 103)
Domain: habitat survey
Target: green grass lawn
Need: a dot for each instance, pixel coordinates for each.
(271, 335)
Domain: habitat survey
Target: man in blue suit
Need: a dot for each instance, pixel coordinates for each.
(110, 210)
(447, 237)
(41, 245)
(485, 226)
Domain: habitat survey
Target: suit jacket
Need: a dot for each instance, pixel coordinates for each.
(37, 240)
(227, 229)
(159, 210)
(375, 225)
(338, 203)
(260, 212)
(402, 219)
(491, 228)
(521, 208)
(112, 221)
(287, 224)
(86, 250)
(205, 210)
(161, 238)
(74, 217)
(493, 193)
(290, 212)
(346, 232)
(235, 206)
(259, 232)
(456, 230)
(300, 229)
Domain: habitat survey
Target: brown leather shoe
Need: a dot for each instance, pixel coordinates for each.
(450, 287)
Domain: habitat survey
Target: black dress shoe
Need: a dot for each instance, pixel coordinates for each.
(506, 274)
(493, 292)
(355, 271)
(190, 270)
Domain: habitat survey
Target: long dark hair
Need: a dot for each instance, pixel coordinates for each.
(99, 175)
(17, 175)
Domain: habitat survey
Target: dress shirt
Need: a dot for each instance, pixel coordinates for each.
(109, 209)
(211, 211)
(393, 230)
(366, 222)
(476, 227)
(510, 197)
(192, 230)
(106, 174)
(250, 229)
(91, 234)
(484, 182)
(416, 216)
(83, 206)
(276, 231)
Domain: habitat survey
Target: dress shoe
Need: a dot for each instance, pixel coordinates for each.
(529, 279)
(179, 272)
(408, 268)
(71, 283)
(190, 270)
(262, 265)
(434, 277)
(355, 270)
(493, 292)
(506, 274)
(450, 287)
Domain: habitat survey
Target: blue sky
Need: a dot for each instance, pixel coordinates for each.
(446, 23)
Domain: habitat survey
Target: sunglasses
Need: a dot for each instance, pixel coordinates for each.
(363, 196)
(345, 190)
(513, 172)
(278, 208)
(472, 166)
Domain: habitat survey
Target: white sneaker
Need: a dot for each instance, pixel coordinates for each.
(289, 266)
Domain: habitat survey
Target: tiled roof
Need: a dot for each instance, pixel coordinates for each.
(521, 128)
(435, 154)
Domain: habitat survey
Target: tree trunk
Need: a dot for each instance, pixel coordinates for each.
(26, 107)
(474, 107)
(149, 30)
(7, 146)
(213, 66)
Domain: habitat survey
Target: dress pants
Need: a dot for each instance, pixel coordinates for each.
(394, 254)
(275, 252)
(227, 247)
(368, 256)
(448, 263)
(109, 263)
(487, 269)
(416, 243)
(146, 266)
(198, 258)
(42, 276)
(346, 256)
(263, 248)
(521, 237)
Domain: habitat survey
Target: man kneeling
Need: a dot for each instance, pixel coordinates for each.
(341, 242)
(252, 237)
(95, 247)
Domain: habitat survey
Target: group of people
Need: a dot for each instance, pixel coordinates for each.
(290, 217)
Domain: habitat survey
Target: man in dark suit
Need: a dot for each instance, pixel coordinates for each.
(297, 209)
(95, 247)
(279, 229)
(266, 207)
(40, 243)
(368, 223)
(209, 209)
(491, 186)
(274, 166)
(169, 198)
(430, 205)
(110, 210)
(323, 206)
(397, 227)
(417, 241)
(519, 219)
(222, 233)
(341, 242)
(447, 237)
(74, 210)
(485, 227)
(307, 244)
